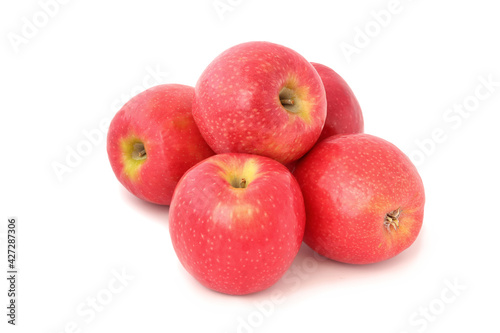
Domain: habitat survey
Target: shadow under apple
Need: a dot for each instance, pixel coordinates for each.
(153, 211)
(310, 272)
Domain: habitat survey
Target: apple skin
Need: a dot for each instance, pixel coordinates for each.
(350, 183)
(237, 102)
(343, 114)
(161, 119)
(237, 240)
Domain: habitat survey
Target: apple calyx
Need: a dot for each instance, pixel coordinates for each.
(392, 219)
(139, 152)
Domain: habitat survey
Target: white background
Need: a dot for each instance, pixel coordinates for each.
(78, 231)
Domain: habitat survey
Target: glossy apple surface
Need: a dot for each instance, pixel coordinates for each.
(153, 140)
(237, 222)
(364, 199)
(344, 114)
(260, 98)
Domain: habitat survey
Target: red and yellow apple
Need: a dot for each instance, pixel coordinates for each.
(364, 199)
(236, 222)
(343, 114)
(260, 98)
(153, 140)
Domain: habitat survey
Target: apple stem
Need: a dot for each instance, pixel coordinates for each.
(142, 153)
(287, 101)
(243, 183)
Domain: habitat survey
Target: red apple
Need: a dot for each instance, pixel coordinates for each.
(291, 166)
(260, 98)
(236, 222)
(364, 199)
(344, 114)
(153, 140)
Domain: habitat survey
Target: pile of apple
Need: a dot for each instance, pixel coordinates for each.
(222, 156)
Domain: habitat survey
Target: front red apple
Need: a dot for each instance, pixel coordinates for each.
(237, 222)
(364, 199)
(260, 98)
(153, 140)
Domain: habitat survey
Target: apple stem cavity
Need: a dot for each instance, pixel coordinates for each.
(287, 101)
(392, 219)
(239, 183)
(139, 151)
